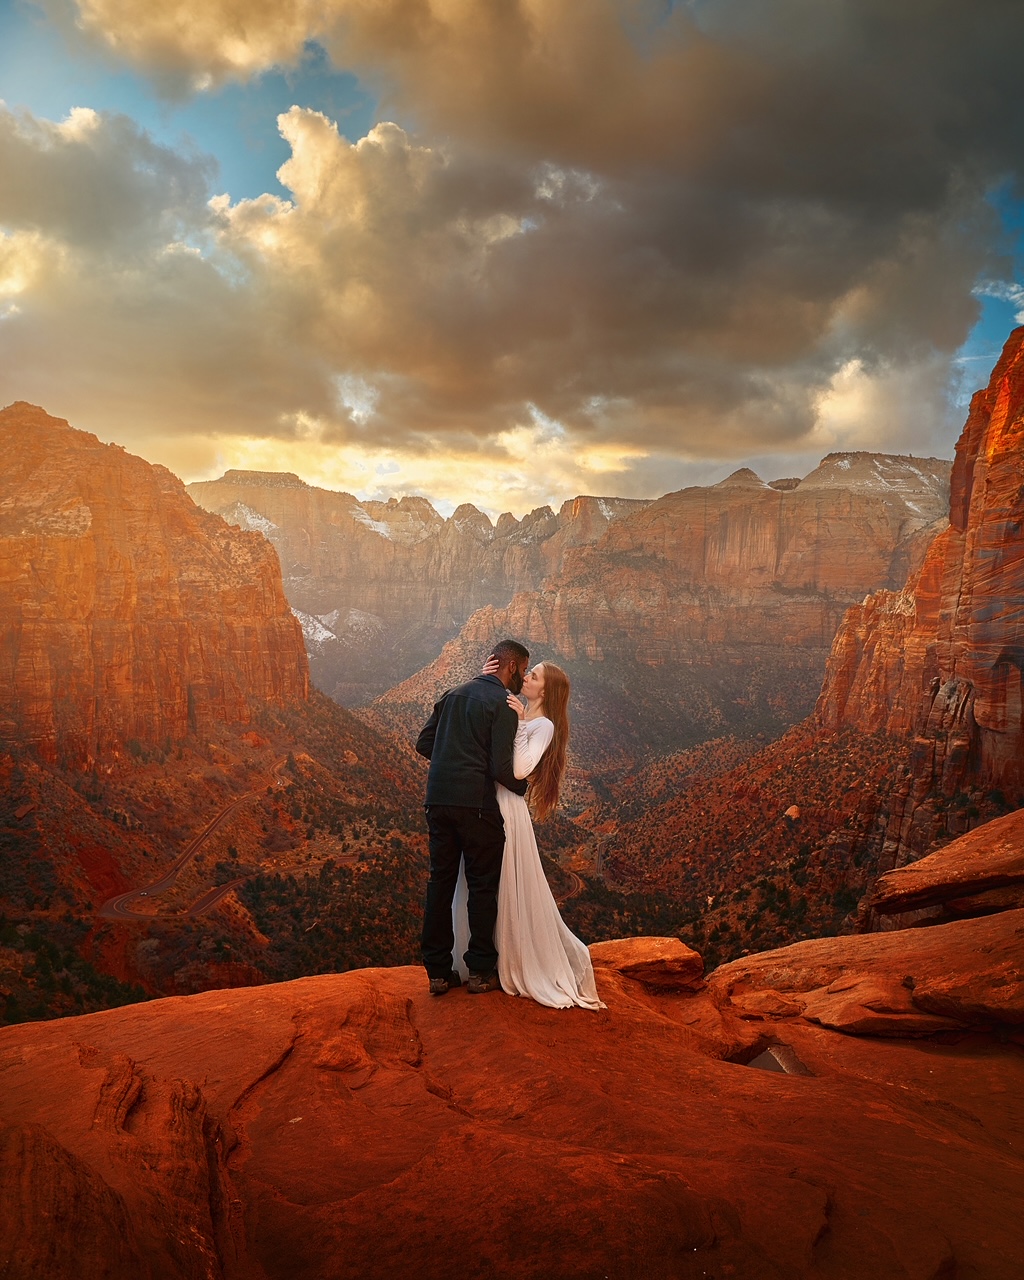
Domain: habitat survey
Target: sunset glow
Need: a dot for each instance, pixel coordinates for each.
(321, 239)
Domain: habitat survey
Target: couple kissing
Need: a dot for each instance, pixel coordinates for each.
(490, 918)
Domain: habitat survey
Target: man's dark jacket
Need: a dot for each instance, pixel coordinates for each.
(468, 741)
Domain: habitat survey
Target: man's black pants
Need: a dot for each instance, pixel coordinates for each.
(478, 835)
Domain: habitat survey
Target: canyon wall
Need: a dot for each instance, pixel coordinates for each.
(166, 772)
(712, 609)
(380, 586)
(942, 661)
(127, 613)
(917, 736)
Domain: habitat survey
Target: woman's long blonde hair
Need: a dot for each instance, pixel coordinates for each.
(546, 779)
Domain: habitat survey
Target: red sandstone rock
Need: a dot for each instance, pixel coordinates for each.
(350, 1125)
(766, 1004)
(943, 659)
(898, 983)
(660, 964)
(983, 868)
(126, 612)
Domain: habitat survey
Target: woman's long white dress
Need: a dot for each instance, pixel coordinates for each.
(538, 956)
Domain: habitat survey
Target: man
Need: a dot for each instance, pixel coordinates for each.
(468, 741)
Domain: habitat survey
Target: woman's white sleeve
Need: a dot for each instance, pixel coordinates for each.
(531, 742)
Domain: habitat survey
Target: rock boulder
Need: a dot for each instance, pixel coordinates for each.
(351, 1125)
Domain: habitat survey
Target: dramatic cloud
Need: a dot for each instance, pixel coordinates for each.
(115, 303)
(632, 232)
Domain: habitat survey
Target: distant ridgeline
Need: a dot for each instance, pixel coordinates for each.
(710, 611)
(380, 586)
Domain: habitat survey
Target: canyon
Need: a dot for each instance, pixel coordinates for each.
(695, 628)
(710, 611)
(633, 592)
(741, 585)
(744, 1105)
(153, 678)
(917, 735)
(379, 586)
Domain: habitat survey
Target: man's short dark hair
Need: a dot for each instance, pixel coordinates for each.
(510, 650)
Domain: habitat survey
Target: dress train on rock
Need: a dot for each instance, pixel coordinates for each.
(538, 955)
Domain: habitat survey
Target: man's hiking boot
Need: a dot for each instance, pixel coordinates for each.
(441, 986)
(481, 982)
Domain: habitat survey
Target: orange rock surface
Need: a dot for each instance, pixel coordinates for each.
(943, 659)
(981, 871)
(659, 964)
(350, 1125)
(126, 612)
(904, 982)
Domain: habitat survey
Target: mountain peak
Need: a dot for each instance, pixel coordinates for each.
(897, 473)
(263, 479)
(741, 478)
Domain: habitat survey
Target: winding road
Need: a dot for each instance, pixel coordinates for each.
(578, 885)
(119, 908)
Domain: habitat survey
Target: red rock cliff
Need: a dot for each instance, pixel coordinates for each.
(380, 586)
(943, 659)
(126, 612)
(713, 608)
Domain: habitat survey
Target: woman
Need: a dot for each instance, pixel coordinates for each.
(538, 956)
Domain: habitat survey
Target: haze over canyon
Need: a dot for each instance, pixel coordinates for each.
(792, 835)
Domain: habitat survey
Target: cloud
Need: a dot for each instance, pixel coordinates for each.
(838, 97)
(522, 468)
(118, 311)
(197, 46)
(864, 409)
(678, 232)
(1005, 291)
(96, 182)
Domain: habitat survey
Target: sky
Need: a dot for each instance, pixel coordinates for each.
(509, 253)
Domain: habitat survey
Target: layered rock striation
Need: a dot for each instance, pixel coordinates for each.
(380, 586)
(127, 613)
(923, 695)
(712, 609)
(942, 660)
(979, 873)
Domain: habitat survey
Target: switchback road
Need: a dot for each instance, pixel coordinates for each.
(119, 907)
(578, 885)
